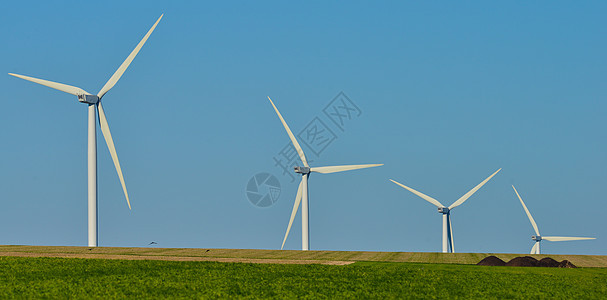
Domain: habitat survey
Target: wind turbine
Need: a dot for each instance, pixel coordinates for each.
(538, 238)
(94, 103)
(302, 191)
(446, 211)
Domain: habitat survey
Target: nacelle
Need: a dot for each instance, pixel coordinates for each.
(536, 238)
(302, 170)
(90, 99)
(443, 210)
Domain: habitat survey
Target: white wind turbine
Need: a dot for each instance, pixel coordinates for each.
(538, 238)
(302, 191)
(446, 211)
(94, 101)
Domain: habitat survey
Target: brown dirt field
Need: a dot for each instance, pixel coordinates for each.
(176, 258)
(277, 256)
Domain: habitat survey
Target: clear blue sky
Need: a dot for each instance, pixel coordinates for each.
(448, 93)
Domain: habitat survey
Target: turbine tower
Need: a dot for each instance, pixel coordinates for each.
(94, 108)
(538, 237)
(302, 191)
(446, 211)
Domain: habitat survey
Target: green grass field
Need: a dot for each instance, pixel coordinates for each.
(43, 277)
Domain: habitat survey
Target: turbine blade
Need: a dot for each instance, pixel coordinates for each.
(534, 248)
(537, 231)
(55, 85)
(334, 169)
(472, 191)
(423, 196)
(565, 238)
(105, 129)
(294, 212)
(302, 156)
(112, 81)
(451, 236)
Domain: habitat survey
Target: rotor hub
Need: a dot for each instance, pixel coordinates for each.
(302, 170)
(90, 99)
(536, 238)
(443, 210)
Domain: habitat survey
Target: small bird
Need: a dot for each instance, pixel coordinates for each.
(207, 251)
(153, 243)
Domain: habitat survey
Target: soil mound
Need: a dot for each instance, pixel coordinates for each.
(548, 262)
(491, 261)
(566, 264)
(523, 261)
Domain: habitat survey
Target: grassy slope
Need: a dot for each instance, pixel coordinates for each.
(95, 278)
(420, 257)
